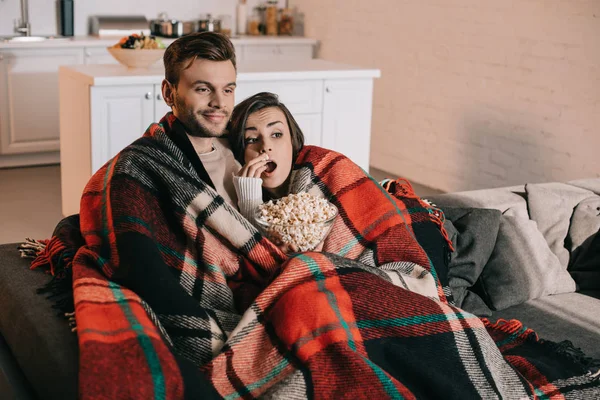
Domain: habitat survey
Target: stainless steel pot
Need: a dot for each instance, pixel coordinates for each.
(209, 24)
(171, 28)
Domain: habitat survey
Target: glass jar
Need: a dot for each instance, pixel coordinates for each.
(271, 18)
(286, 22)
(254, 23)
(226, 24)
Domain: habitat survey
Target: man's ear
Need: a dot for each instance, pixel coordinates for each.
(168, 93)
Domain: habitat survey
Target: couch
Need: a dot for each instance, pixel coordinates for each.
(528, 252)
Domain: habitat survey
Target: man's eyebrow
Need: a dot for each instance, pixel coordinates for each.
(200, 82)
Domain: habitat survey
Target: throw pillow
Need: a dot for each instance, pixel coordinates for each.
(551, 206)
(522, 266)
(473, 233)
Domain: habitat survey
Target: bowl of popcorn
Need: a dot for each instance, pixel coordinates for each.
(302, 220)
(138, 51)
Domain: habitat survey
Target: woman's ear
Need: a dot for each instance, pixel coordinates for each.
(168, 93)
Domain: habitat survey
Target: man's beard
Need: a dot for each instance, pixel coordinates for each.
(193, 125)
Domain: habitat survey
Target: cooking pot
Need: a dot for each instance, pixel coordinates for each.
(171, 28)
(209, 24)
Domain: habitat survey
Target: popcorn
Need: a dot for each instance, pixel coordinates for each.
(301, 219)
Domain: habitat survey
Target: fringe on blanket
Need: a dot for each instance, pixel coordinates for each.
(405, 189)
(55, 259)
(565, 348)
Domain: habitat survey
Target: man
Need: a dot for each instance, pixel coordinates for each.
(199, 86)
(161, 231)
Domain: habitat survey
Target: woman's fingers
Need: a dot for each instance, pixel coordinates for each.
(249, 169)
(258, 171)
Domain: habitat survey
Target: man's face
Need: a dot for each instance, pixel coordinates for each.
(204, 97)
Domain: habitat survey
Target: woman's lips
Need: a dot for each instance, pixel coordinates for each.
(271, 166)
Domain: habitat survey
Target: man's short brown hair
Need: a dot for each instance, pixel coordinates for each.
(182, 53)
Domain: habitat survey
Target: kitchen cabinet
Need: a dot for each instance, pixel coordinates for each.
(113, 107)
(120, 115)
(347, 110)
(29, 105)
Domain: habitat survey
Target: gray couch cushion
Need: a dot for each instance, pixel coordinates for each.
(522, 267)
(41, 342)
(568, 316)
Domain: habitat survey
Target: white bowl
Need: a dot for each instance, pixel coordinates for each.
(136, 58)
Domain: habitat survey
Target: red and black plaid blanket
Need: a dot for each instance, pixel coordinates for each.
(178, 296)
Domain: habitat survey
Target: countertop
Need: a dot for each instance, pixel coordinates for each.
(94, 41)
(108, 74)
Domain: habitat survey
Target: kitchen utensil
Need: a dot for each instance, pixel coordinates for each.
(209, 24)
(118, 25)
(171, 28)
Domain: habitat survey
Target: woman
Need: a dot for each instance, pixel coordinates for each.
(266, 139)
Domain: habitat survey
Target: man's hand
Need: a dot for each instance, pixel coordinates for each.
(255, 167)
(288, 248)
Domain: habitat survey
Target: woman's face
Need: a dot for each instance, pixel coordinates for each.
(267, 131)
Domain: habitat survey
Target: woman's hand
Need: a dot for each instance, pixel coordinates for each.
(255, 167)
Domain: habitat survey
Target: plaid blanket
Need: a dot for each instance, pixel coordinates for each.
(178, 296)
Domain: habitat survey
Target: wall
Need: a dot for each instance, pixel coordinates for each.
(474, 93)
(42, 13)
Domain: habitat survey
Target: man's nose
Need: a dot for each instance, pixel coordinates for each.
(217, 100)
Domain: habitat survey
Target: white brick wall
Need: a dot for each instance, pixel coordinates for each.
(474, 94)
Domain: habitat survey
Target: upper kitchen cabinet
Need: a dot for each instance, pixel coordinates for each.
(29, 106)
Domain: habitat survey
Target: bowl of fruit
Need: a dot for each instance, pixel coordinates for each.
(138, 51)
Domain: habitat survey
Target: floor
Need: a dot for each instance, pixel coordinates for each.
(30, 202)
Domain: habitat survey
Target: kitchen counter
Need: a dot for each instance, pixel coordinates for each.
(108, 75)
(94, 41)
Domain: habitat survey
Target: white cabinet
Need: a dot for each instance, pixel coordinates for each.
(310, 124)
(347, 110)
(29, 99)
(256, 52)
(119, 115)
